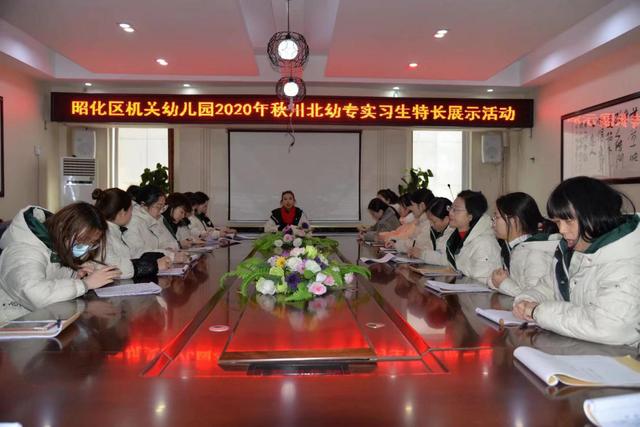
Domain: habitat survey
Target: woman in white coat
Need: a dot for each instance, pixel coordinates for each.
(420, 237)
(526, 241)
(117, 208)
(472, 248)
(435, 251)
(44, 256)
(146, 232)
(592, 289)
(200, 224)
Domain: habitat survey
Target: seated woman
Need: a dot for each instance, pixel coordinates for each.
(435, 251)
(419, 238)
(173, 218)
(44, 256)
(287, 214)
(199, 223)
(592, 289)
(407, 222)
(390, 197)
(116, 207)
(527, 247)
(385, 217)
(472, 248)
(146, 232)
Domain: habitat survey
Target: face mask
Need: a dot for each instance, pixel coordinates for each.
(80, 249)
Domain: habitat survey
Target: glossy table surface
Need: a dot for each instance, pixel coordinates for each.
(385, 352)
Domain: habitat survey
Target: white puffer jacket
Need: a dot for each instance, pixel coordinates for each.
(421, 235)
(28, 278)
(480, 252)
(118, 252)
(604, 289)
(147, 234)
(439, 255)
(529, 262)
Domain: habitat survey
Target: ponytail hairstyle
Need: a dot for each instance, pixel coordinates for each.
(75, 223)
(422, 195)
(524, 209)
(595, 205)
(439, 207)
(475, 203)
(148, 195)
(377, 205)
(111, 201)
(132, 191)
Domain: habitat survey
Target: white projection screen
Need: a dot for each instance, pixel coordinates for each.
(322, 169)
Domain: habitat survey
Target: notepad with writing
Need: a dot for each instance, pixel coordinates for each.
(585, 371)
(128, 289)
(453, 288)
(435, 271)
(622, 411)
(175, 271)
(501, 317)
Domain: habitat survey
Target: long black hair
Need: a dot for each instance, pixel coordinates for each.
(523, 207)
(595, 205)
(439, 207)
(377, 205)
(475, 203)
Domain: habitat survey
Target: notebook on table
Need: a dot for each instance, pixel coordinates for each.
(501, 317)
(584, 371)
(454, 288)
(435, 271)
(128, 289)
(621, 411)
(175, 271)
(44, 323)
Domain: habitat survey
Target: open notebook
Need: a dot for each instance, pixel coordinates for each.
(501, 317)
(621, 411)
(585, 371)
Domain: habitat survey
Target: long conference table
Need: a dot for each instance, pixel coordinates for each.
(385, 352)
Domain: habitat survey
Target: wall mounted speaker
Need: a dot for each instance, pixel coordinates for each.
(491, 147)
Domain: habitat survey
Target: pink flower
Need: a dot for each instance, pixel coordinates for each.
(317, 288)
(329, 281)
(288, 238)
(348, 278)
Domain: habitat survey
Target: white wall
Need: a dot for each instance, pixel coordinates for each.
(24, 127)
(611, 75)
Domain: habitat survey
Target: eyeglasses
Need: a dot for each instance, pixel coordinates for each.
(455, 210)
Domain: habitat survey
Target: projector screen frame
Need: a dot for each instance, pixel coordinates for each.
(358, 131)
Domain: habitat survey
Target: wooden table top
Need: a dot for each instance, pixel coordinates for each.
(386, 352)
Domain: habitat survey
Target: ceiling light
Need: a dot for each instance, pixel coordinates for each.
(413, 64)
(186, 85)
(396, 88)
(489, 90)
(128, 30)
(291, 89)
(87, 84)
(124, 25)
(440, 33)
(288, 49)
(162, 62)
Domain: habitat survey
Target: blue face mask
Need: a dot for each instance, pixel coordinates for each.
(80, 249)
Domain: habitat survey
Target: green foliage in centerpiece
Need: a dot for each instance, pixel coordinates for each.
(298, 274)
(293, 237)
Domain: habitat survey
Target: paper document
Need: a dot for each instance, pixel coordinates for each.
(501, 317)
(128, 290)
(589, 371)
(435, 271)
(453, 288)
(245, 237)
(384, 259)
(176, 271)
(406, 260)
(619, 411)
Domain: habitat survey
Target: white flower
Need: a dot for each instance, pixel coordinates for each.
(336, 269)
(320, 277)
(293, 262)
(297, 242)
(297, 251)
(277, 243)
(348, 278)
(323, 259)
(39, 215)
(312, 266)
(265, 286)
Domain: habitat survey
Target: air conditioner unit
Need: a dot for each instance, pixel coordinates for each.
(77, 180)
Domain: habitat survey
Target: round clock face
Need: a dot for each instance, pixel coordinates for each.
(287, 49)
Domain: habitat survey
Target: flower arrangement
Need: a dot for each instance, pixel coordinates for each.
(298, 274)
(292, 237)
